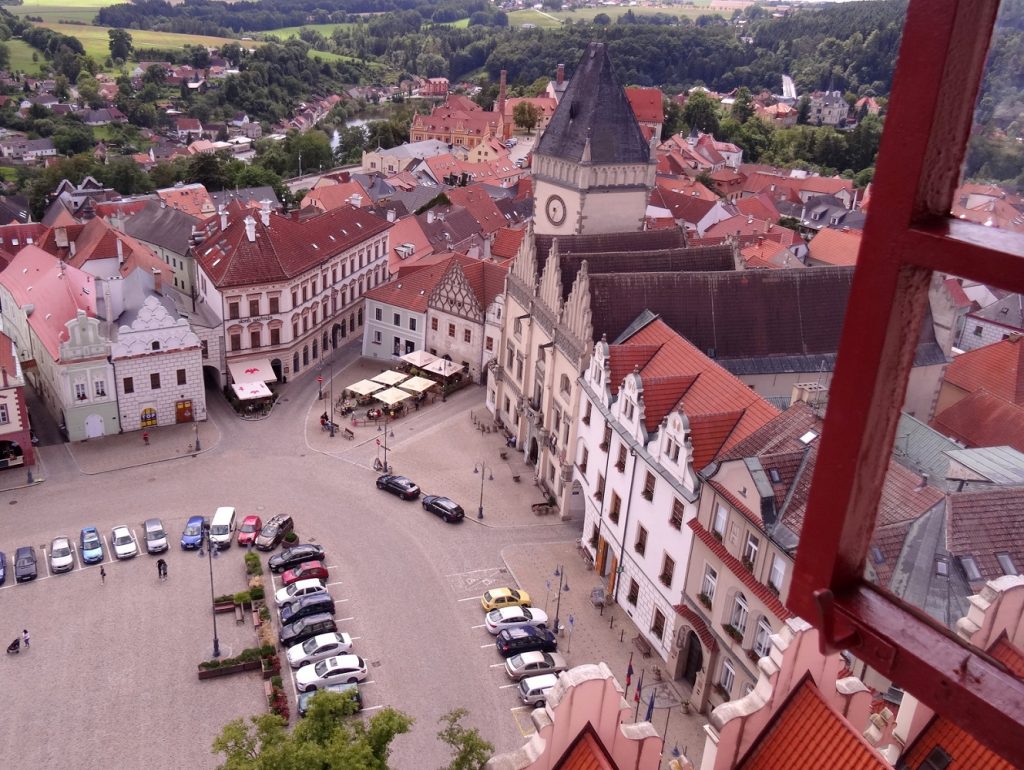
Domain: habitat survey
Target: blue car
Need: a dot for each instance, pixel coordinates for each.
(3, 568)
(90, 545)
(192, 536)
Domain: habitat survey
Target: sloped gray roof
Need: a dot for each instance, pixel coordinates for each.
(594, 107)
(163, 226)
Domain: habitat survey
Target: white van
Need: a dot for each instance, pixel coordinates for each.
(533, 690)
(222, 528)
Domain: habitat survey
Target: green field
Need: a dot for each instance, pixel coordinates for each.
(57, 10)
(97, 43)
(550, 19)
(287, 32)
(21, 57)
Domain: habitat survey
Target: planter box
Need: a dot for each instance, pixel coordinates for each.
(236, 668)
(273, 670)
(224, 607)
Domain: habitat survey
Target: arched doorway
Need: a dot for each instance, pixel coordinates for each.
(275, 364)
(337, 332)
(295, 362)
(211, 377)
(534, 452)
(694, 659)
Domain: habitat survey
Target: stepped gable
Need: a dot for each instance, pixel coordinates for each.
(594, 120)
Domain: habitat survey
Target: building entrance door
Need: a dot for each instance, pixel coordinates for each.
(694, 658)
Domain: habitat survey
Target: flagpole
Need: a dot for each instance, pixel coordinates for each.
(629, 674)
(636, 696)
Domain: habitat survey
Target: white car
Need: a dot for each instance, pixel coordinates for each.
(297, 590)
(124, 542)
(341, 668)
(318, 648)
(61, 558)
(512, 617)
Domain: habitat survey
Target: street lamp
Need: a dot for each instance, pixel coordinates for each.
(563, 585)
(195, 423)
(330, 422)
(211, 553)
(480, 470)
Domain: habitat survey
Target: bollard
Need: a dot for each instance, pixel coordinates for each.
(30, 479)
(622, 633)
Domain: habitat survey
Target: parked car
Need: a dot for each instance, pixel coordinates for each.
(3, 567)
(398, 485)
(534, 663)
(296, 591)
(305, 571)
(273, 532)
(192, 535)
(306, 628)
(533, 690)
(446, 508)
(306, 697)
(306, 606)
(504, 597)
(156, 537)
(292, 557)
(61, 558)
(341, 668)
(525, 639)
(123, 542)
(509, 617)
(318, 648)
(25, 567)
(90, 545)
(251, 526)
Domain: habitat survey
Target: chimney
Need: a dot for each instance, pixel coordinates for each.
(560, 74)
(60, 237)
(265, 213)
(250, 229)
(73, 249)
(501, 92)
(223, 212)
(356, 200)
(120, 251)
(430, 217)
(391, 215)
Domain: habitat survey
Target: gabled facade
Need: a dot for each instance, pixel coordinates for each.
(15, 432)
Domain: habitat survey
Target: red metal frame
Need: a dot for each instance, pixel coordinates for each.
(908, 234)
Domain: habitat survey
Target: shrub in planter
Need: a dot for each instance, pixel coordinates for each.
(208, 664)
(253, 565)
(291, 537)
(277, 683)
(264, 613)
(256, 594)
(267, 650)
(223, 598)
(243, 598)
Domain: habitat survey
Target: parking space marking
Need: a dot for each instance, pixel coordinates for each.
(332, 566)
(517, 712)
(335, 583)
(371, 708)
(497, 665)
(341, 620)
(485, 646)
(469, 599)
(477, 580)
(506, 686)
(482, 625)
(340, 601)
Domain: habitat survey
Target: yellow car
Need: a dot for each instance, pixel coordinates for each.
(504, 597)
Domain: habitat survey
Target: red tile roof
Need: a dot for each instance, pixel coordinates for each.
(722, 410)
(191, 198)
(758, 589)
(748, 225)
(835, 247)
(699, 626)
(647, 104)
(767, 254)
(329, 197)
(980, 420)
(807, 734)
(983, 524)
(966, 751)
(761, 206)
(586, 753)
(487, 280)
(1009, 655)
(997, 368)
(411, 289)
(506, 242)
(480, 205)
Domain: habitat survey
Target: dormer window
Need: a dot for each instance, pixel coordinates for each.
(970, 568)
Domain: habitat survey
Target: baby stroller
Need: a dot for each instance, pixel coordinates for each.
(14, 647)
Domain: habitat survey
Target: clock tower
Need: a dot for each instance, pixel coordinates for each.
(593, 169)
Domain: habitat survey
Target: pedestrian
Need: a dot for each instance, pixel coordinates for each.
(161, 569)
(103, 576)
(24, 637)
(145, 437)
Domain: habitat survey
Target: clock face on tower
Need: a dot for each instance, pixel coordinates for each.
(555, 210)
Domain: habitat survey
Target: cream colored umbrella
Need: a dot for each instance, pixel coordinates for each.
(444, 367)
(419, 358)
(365, 387)
(417, 384)
(392, 396)
(390, 377)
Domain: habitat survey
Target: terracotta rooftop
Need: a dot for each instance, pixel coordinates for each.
(835, 247)
(411, 289)
(333, 196)
(647, 103)
(788, 743)
(191, 198)
(478, 203)
(983, 524)
(997, 368)
(506, 242)
(980, 420)
(721, 409)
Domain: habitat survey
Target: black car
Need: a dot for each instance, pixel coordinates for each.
(25, 564)
(3, 567)
(306, 606)
(512, 641)
(447, 509)
(306, 628)
(294, 556)
(398, 485)
(273, 532)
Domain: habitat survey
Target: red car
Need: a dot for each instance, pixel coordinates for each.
(306, 570)
(251, 526)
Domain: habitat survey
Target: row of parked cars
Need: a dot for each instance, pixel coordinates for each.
(524, 640)
(443, 507)
(320, 654)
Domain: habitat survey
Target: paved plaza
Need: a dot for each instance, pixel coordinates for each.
(117, 662)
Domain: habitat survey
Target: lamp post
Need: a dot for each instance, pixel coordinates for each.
(330, 387)
(563, 585)
(195, 423)
(480, 470)
(210, 556)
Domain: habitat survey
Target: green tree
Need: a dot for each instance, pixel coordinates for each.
(89, 91)
(314, 148)
(602, 19)
(120, 44)
(701, 112)
(325, 739)
(470, 751)
(526, 115)
(673, 118)
(803, 110)
(743, 105)
(72, 138)
(5, 56)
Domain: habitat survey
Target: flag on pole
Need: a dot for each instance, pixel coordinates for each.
(650, 707)
(639, 686)
(629, 672)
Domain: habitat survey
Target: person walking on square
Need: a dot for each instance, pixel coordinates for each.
(103, 576)
(145, 437)
(25, 637)
(161, 569)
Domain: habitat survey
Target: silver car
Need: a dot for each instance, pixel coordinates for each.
(61, 558)
(156, 537)
(533, 664)
(318, 648)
